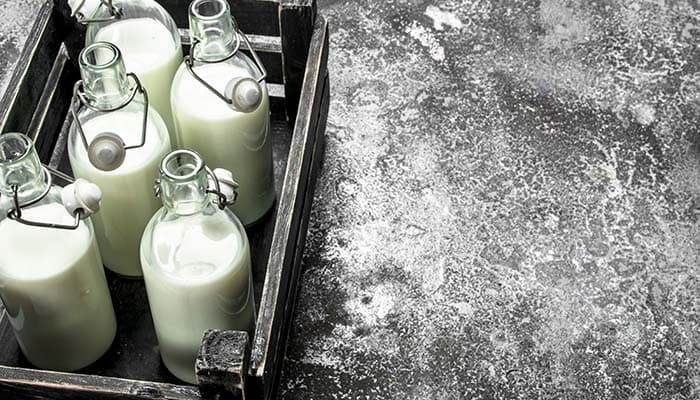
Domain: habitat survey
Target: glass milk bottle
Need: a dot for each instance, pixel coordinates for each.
(148, 38)
(51, 278)
(221, 107)
(116, 141)
(196, 262)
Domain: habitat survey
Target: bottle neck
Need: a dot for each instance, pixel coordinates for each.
(183, 183)
(214, 29)
(20, 167)
(104, 76)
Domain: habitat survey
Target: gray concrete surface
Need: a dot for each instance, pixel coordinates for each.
(509, 204)
(509, 207)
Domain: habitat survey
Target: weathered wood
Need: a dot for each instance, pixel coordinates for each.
(24, 383)
(222, 364)
(22, 94)
(268, 344)
(290, 303)
(52, 105)
(296, 267)
(253, 16)
(296, 19)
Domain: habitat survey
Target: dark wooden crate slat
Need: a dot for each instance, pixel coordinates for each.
(296, 267)
(221, 365)
(49, 93)
(253, 16)
(275, 291)
(24, 383)
(53, 104)
(22, 94)
(296, 19)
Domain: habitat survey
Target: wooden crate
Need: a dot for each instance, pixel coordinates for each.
(292, 40)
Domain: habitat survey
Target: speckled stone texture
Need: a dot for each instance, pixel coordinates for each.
(509, 206)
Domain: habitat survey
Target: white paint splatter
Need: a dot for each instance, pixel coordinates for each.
(441, 18)
(373, 306)
(645, 114)
(428, 40)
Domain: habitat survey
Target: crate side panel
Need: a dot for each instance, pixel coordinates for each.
(289, 210)
(18, 383)
(27, 82)
(296, 29)
(253, 16)
(290, 304)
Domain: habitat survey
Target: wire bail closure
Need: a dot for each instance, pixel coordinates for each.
(107, 142)
(115, 13)
(15, 213)
(231, 98)
(222, 200)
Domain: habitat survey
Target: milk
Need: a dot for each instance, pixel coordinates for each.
(226, 138)
(150, 52)
(198, 276)
(128, 202)
(54, 289)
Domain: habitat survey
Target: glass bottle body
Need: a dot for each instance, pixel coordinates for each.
(197, 269)
(127, 191)
(225, 137)
(56, 295)
(150, 44)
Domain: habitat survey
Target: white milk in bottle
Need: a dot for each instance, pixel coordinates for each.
(52, 282)
(150, 45)
(126, 176)
(196, 265)
(232, 136)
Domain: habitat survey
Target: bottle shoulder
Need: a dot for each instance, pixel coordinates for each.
(218, 75)
(127, 123)
(146, 35)
(134, 9)
(37, 253)
(200, 246)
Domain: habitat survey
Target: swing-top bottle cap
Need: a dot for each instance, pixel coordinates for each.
(81, 195)
(107, 151)
(227, 184)
(245, 94)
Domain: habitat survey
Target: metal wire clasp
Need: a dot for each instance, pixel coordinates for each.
(15, 213)
(79, 98)
(189, 63)
(115, 13)
(222, 200)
